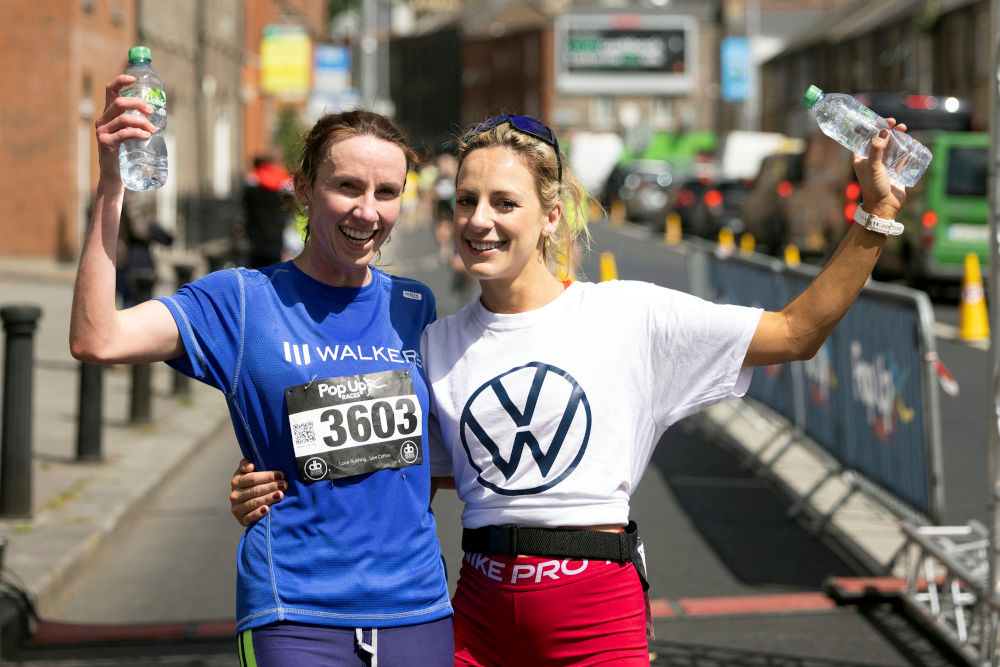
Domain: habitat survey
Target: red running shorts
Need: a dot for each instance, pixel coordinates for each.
(528, 611)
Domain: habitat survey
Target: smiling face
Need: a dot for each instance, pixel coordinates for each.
(353, 204)
(500, 226)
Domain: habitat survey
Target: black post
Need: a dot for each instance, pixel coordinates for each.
(89, 416)
(142, 282)
(182, 387)
(19, 323)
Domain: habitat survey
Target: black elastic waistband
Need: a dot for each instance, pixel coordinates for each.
(510, 540)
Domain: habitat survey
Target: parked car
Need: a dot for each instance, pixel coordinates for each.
(719, 206)
(765, 208)
(947, 212)
(642, 185)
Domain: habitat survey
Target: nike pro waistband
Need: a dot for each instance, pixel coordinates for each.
(510, 540)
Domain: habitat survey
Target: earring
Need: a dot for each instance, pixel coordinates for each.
(548, 242)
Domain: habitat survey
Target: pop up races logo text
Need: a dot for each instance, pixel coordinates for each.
(878, 385)
(821, 377)
(351, 388)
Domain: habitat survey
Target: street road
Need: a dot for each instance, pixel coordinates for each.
(711, 530)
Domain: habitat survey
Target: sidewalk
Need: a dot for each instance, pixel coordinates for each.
(79, 507)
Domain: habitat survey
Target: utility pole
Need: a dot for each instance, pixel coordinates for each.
(994, 302)
(751, 104)
(369, 53)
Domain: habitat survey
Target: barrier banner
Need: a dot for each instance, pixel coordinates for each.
(877, 366)
(821, 385)
(755, 284)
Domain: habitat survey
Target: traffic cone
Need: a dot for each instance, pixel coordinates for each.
(792, 255)
(747, 243)
(609, 271)
(973, 323)
(672, 233)
(727, 242)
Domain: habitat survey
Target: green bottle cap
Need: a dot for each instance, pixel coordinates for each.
(139, 53)
(811, 96)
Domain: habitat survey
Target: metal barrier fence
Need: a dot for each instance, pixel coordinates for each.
(870, 396)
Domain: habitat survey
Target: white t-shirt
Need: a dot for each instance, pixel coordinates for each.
(549, 417)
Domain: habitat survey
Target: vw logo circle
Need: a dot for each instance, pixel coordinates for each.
(526, 430)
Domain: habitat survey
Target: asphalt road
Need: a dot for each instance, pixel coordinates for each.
(711, 530)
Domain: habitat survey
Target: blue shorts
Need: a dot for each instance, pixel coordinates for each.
(304, 645)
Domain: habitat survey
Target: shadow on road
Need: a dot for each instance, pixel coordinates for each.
(741, 516)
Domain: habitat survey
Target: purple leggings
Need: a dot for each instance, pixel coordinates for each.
(303, 645)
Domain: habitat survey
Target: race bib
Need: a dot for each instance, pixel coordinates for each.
(354, 425)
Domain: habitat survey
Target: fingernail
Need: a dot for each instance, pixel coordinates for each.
(277, 495)
(279, 475)
(263, 510)
(282, 486)
(883, 133)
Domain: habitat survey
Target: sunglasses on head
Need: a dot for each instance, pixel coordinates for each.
(528, 126)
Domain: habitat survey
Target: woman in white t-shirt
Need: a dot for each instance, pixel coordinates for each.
(546, 435)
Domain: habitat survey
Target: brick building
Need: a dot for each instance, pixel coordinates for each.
(55, 58)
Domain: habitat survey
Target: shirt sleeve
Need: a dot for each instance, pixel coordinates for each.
(210, 316)
(696, 351)
(437, 453)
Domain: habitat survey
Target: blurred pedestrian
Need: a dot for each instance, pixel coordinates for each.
(138, 230)
(267, 196)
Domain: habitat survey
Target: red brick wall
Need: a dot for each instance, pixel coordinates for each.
(46, 48)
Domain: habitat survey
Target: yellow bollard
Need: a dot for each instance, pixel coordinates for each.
(792, 255)
(609, 271)
(617, 213)
(973, 323)
(747, 243)
(672, 232)
(727, 242)
(594, 210)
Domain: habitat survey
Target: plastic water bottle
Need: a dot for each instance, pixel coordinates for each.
(853, 125)
(143, 164)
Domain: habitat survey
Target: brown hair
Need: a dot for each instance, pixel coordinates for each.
(540, 159)
(333, 128)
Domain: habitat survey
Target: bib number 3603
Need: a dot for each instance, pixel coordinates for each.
(354, 425)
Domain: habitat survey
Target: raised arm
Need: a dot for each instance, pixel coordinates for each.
(799, 329)
(99, 333)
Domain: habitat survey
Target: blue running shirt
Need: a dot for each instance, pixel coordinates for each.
(354, 551)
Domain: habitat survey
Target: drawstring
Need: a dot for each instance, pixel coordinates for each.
(370, 648)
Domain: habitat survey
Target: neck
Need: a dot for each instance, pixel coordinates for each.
(521, 295)
(316, 268)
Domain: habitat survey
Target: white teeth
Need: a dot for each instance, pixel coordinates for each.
(357, 235)
(481, 245)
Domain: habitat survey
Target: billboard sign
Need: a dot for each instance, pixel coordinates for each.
(285, 60)
(625, 53)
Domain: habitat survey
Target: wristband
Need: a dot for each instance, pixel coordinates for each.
(874, 223)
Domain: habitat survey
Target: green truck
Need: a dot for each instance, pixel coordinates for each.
(947, 212)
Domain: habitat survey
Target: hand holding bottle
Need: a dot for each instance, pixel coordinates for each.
(115, 126)
(882, 195)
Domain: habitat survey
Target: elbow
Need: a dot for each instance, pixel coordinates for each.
(86, 349)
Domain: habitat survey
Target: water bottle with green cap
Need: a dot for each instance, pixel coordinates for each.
(853, 125)
(143, 164)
